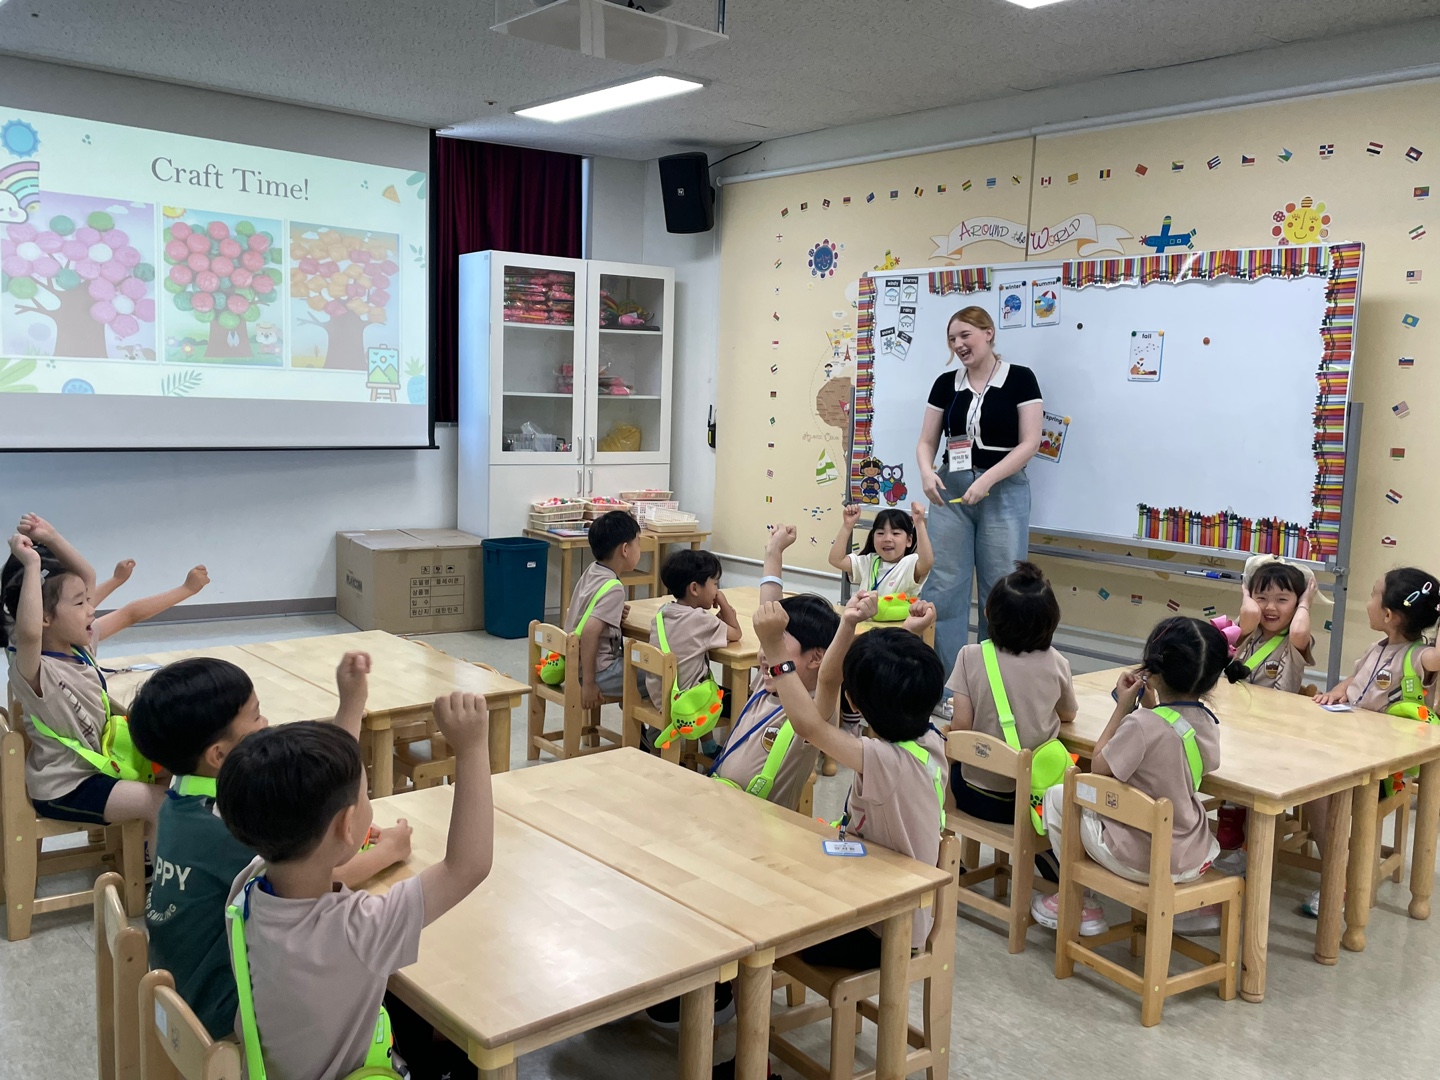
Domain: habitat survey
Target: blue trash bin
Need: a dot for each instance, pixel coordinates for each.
(515, 573)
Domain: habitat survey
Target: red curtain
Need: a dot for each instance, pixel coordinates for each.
(509, 198)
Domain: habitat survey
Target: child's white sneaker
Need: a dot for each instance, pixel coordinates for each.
(1205, 920)
(1045, 910)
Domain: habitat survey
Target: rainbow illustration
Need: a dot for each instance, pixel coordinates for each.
(19, 190)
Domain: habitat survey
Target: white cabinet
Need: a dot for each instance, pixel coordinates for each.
(565, 382)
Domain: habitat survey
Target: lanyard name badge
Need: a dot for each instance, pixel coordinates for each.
(960, 450)
(843, 848)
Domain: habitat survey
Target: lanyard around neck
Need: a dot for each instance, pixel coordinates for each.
(737, 740)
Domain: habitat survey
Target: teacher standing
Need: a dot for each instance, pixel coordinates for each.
(984, 422)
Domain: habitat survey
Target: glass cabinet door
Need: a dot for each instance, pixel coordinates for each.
(628, 395)
(541, 372)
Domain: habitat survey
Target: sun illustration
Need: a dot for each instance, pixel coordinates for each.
(1301, 224)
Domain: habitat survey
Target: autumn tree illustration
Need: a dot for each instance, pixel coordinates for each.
(345, 278)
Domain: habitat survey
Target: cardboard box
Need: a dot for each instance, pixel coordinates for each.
(411, 581)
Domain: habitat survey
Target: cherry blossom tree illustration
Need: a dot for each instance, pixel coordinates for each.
(85, 278)
(223, 279)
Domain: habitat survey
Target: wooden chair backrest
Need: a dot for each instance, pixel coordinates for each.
(649, 659)
(13, 747)
(1120, 802)
(174, 1045)
(944, 908)
(546, 638)
(988, 753)
(121, 960)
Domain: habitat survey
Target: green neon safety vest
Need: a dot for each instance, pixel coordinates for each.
(937, 777)
(552, 668)
(763, 782)
(194, 785)
(1182, 727)
(1048, 761)
(117, 755)
(377, 1058)
(694, 712)
(1263, 653)
(1411, 706)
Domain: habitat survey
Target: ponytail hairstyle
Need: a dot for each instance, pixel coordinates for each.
(894, 519)
(977, 317)
(1190, 655)
(1021, 611)
(12, 578)
(1414, 596)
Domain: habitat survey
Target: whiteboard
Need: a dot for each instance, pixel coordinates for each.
(1198, 394)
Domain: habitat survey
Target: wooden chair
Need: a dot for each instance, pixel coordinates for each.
(23, 860)
(849, 999)
(1015, 844)
(122, 956)
(636, 710)
(1153, 905)
(577, 726)
(422, 757)
(174, 1044)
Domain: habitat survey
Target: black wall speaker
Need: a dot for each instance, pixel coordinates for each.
(689, 199)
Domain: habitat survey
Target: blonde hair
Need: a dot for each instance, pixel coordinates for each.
(977, 317)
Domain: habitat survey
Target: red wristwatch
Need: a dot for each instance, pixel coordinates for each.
(776, 670)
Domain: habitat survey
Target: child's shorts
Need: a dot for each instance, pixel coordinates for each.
(611, 681)
(85, 804)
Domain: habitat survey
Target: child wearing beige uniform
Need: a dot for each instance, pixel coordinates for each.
(1161, 740)
(700, 619)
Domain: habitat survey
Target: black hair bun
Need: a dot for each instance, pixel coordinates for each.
(1027, 573)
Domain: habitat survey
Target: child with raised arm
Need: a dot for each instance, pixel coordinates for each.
(1275, 625)
(764, 755)
(188, 717)
(147, 607)
(897, 800)
(311, 961)
(72, 773)
(897, 555)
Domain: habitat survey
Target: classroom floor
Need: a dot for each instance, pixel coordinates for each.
(1371, 1012)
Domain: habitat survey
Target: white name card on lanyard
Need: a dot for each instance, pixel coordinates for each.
(960, 450)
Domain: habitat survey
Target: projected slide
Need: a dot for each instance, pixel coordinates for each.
(140, 264)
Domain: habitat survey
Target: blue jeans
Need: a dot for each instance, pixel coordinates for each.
(984, 541)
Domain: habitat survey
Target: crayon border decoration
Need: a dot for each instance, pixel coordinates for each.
(962, 282)
(1340, 264)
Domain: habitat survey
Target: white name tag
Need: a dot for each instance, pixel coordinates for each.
(958, 454)
(1340, 707)
(850, 849)
(1085, 793)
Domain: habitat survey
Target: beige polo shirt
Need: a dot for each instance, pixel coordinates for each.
(71, 703)
(610, 612)
(691, 633)
(1037, 683)
(748, 737)
(1283, 669)
(1149, 755)
(319, 968)
(892, 803)
(1376, 682)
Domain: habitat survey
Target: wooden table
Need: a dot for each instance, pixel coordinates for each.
(1279, 750)
(647, 577)
(745, 863)
(552, 944)
(405, 680)
(284, 697)
(738, 658)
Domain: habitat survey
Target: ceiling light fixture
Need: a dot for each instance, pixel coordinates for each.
(622, 96)
(1034, 3)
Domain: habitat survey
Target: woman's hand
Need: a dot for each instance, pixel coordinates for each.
(977, 491)
(933, 486)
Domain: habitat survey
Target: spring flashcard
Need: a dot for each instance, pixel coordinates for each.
(1053, 428)
(1012, 304)
(1045, 301)
(1146, 348)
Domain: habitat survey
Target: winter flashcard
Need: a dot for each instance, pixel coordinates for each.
(1045, 301)
(1146, 347)
(1012, 305)
(1053, 429)
(909, 289)
(890, 291)
(79, 279)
